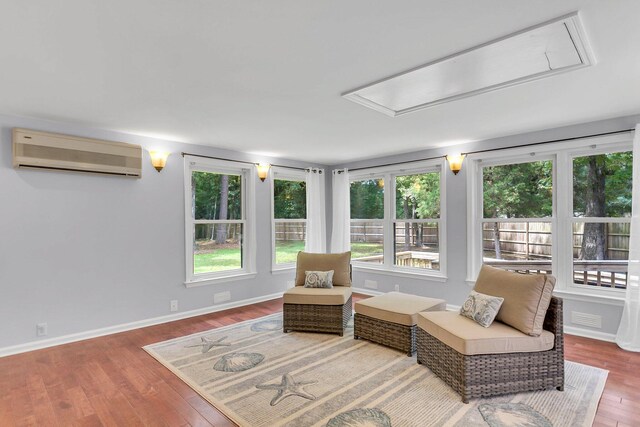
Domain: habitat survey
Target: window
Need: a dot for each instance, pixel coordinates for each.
(396, 220)
(564, 210)
(367, 220)
(217, 226)
(417, 225)
(289, 216)
(601, 218)
(517, 206)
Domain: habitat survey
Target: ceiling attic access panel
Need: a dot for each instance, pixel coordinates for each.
(544, 50)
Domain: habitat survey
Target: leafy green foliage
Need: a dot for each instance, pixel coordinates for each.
(208, 195)
(289, 199)
(367, 199)
(617, 169)
(418, 196)
(522, 190)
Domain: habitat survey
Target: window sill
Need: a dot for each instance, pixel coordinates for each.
(436, 277)
(221, 279)
(283, 269)
(581, 295)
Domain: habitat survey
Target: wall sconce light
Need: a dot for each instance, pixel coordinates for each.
(455, 162)
(158, 159)
(263, 170)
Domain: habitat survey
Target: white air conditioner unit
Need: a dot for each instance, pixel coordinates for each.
(43, 150)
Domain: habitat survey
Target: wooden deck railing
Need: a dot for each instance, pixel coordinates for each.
(604, 273)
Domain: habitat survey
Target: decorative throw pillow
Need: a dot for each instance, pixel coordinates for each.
(318, 279)
(481, 308)
(526, 297)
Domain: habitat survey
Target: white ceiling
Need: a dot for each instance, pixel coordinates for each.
(266, 76)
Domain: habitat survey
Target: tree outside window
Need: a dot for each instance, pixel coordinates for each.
(517, 209)
(218, 223)
(289, 213)
(601, 218)
(417, 225)
(367, 225)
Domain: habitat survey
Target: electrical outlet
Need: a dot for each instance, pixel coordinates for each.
(221, 297)
(371, 284)
(41, 329)
(174, 305)
(396, 288)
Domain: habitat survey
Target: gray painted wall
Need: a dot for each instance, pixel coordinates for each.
(84, 252)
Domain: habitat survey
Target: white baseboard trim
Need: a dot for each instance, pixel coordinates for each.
(94, 333)
(366, 291)
(588, 333)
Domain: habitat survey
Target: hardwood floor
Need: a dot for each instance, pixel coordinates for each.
(111, 381)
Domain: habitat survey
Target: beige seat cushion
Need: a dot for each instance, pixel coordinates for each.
(339, 263)
(467, 337)
(397, 307)
(319, 296)
(526, 297)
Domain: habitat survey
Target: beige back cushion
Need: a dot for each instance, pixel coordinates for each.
(526, 297)
(339, 263)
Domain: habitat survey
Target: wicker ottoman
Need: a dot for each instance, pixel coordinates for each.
(390, 319)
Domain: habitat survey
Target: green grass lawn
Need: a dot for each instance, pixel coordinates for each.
(286, 252)
(217, 260)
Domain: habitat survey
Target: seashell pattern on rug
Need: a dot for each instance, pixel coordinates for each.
(361, 417)
(512, 414)
(238, 362)
(267, 326)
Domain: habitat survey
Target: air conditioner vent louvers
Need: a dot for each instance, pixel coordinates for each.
(33, 149)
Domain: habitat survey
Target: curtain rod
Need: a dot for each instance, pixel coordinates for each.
(550, 142)
(241, 161)
(429, 158)
(494, 149)
(396, 163)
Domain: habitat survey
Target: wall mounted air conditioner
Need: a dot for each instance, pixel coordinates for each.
(43, 150)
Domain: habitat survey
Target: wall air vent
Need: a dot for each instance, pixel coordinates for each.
(550, 48)
(42, 150)
(586, 319)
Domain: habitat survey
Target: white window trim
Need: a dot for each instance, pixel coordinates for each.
(290, 175)
(248, 270)
(562, 154)
(388, 174)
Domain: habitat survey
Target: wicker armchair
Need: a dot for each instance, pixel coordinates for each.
(485, 375)
(319, 309)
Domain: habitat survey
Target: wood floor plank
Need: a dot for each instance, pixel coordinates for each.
(111, 381)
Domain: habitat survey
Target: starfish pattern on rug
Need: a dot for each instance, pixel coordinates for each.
(207, 344)
(288, 387)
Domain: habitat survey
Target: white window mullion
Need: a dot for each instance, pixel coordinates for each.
(389, 225)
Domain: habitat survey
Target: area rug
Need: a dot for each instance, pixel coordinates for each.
(258, 376)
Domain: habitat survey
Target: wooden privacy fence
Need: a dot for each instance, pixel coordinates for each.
(532, 240)
(290, 230)
(371, 232)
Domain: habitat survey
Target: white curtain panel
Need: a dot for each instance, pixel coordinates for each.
(341, 233)
(628, 337)
(316, 217)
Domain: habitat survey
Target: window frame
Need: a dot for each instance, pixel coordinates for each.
(287, 175)
(248, 245)
(562, 218)
(388, 174)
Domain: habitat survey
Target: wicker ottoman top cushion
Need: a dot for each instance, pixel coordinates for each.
(396, 307)
(467, 337)
(338, 295)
